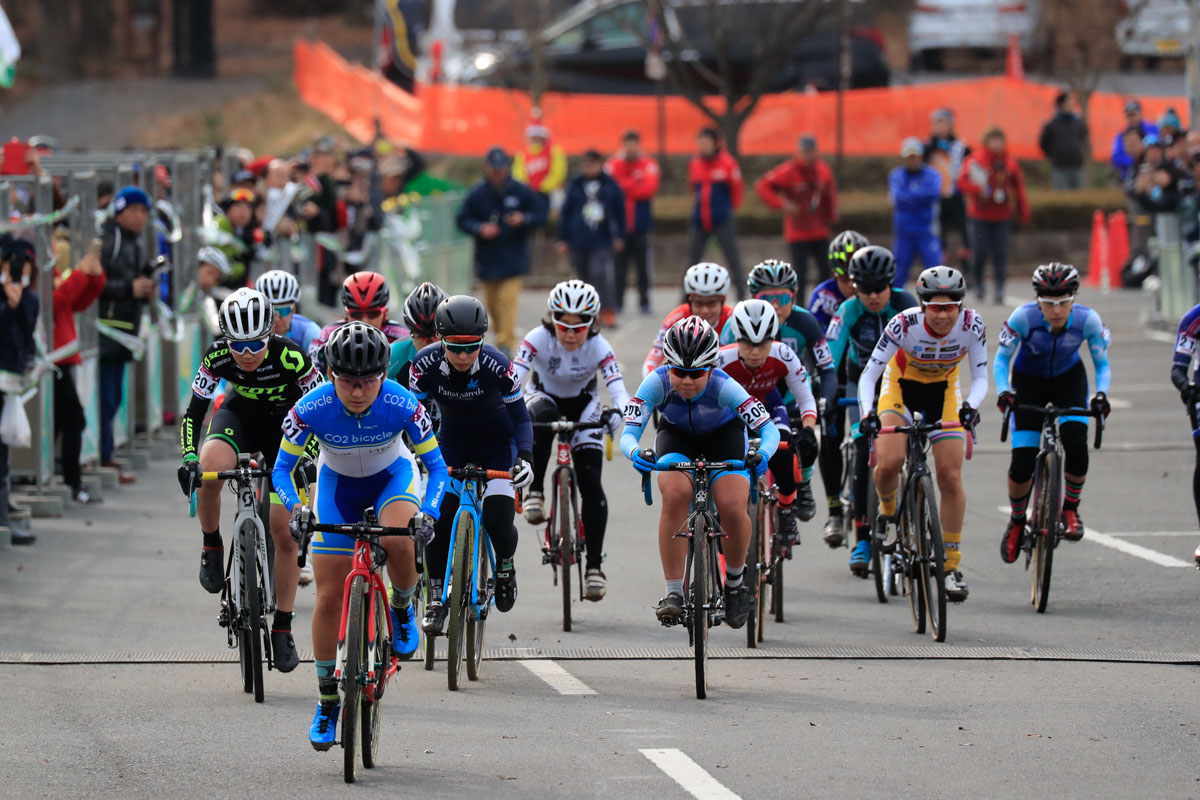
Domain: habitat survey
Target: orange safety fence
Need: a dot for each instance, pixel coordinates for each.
(464, 120)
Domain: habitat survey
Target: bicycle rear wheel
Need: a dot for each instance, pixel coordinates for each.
(378, 658)
(428, 640)
(700, 602)
(754, 573)
(778, 556)
(1045, 527)
(460, 598)
(933, 558)
(252, 592)
(566, 543)
(476, 622)
(352, 669)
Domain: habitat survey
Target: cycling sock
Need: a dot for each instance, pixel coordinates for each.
(1071, 493)
(212, 541)
(733, 578)
(402, 598)
(953, 543)
(887, 503)
(675, 587)
(786, 500)
(1019, 504)
(862, 531)
(806, 473)
(282, 622)
(326, 683)
(834, 503)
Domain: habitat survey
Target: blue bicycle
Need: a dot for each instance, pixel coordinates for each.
(468, 608)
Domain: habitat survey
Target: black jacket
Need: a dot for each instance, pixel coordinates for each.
(16, 331)
(1062, 140)
(506, 255)
(123, 260)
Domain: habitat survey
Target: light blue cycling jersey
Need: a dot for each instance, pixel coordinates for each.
(362, 446)
(403, 352)
(723, 399)
(303, 331)
(1044, 354)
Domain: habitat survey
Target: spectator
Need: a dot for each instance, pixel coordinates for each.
(74, 291)
(805, 189)
(995, 189)
(915, 192)
(127, 289)
(500, 212)
(638, 176)
(945, 152)
(539, 163)
(364, 218)
(238, 236)
(717, 188)
(591, 228)
(205, 293)
(18, 318)
(1062, 141)
(321, 208)
(1169, 124)
(1123, 162)
(1152, 187)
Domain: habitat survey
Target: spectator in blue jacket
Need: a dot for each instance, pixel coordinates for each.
(591, 230)
(500, 213)
(1122, 161)
(915, 192)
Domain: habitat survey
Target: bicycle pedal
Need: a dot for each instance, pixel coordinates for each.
(548, 558)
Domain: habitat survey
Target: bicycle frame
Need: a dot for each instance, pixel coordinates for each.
(369, 558)
(469, 502)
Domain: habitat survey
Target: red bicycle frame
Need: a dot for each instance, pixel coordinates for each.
(563, 461)
(375, 590)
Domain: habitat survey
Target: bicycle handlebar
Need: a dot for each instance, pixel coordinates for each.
(561, 425)
(693, 466)
(472, 472)
(1051, 410)
(249, 472)
(924, 427)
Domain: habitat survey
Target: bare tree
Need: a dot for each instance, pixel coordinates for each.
(528, 17)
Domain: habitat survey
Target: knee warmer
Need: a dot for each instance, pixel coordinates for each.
(1074, 437)
(498, 514)
(1021, 468)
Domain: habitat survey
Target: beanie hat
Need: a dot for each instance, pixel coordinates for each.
(129, 195)
(1170, 119)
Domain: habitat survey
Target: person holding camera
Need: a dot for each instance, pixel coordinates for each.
(19, 308)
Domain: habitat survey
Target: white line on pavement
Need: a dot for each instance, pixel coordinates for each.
(559, 679)
(1122, 546)
(1127, 534)
(688, 774)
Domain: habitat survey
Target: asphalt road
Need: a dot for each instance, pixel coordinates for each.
(118, 680)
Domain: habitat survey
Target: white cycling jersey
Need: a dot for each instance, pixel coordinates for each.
(564, 373)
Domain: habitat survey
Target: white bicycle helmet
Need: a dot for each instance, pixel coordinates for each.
(754, 321)
(574, 297)
(691, 343)
(246, 315)
(214, 256)
(706, 280)
(279, 287)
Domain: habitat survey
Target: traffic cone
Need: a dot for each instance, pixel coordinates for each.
(1098, 255)
(1014, 66)
(1118, 246)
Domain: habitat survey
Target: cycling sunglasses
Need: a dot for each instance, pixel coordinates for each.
(880, 289)
(1056, 301)
(680, 372)
(357, 384)
(942, 308)
(775, 298)
(284, 310)
(469, 346)
(361, 314)
(567, 327)
(249, 348)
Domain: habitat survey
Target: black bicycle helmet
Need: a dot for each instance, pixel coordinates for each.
(842, 248)
(873, 265)
(772, 274)
(941, 282)
(1055, 280)
(691, 343)
(420, 307)
(460, 315)
(358, 350)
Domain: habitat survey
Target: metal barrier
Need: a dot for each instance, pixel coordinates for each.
(421, 242)
(1177, 292)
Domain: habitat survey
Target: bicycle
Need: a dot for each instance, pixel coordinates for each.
(1045, 530)
(915, 561)
(467, 611)
(564, 539)
(365, 659)
(248, 595)
(704, 589)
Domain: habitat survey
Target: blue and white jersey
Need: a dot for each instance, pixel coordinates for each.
(1185, 348)
(360, 446)
(824, 303)
(303, 331)
(722, 400)
(1044, 354)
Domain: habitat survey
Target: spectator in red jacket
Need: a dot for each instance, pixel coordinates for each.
(74, 291)
(995, 190)
(717, 189)
(637, 175)
(805, 190)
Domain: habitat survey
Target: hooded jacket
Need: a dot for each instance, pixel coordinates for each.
(122, 257)
(994, 187)
(811, 188)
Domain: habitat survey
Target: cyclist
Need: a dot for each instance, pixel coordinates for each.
(357, 419)
(419, 309)
(1185, 352)
(759, 363)
(283, 291)
(775, 282)
(365, 296)
(702, 412)
(831, 293)
(562, 357)
(267, 374)
(853, 334)
(1046, 336)
(484, 422)
(705, 285)
(918, 358)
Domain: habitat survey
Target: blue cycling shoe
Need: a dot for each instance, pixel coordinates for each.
(407, 639)
(860, 558)
(323, 731)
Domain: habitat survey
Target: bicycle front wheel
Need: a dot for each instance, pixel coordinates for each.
(476, 622)
(379, 657)
(253, 603)
(753, 577)
(933, 558)
(700, 606)
(566, 544)
(778, 556)
(460, 598)
(352, 668)
(1045, 527)
(908, 547)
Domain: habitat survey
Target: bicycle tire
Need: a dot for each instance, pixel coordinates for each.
(778, 556)
(1045, 528)
(237, 623)
(476, 622)
(352, 668)
(459, 599)
(881, 590)
(425, 637)
(380, 654)
(566, 544)
(700, 599)
(934, 559)
(753, 559)
(907, 543)
(252, 590)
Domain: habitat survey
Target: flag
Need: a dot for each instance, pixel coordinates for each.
(10, 52)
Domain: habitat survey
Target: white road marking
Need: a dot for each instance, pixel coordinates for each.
(1122, 546)
(559, 679)
(688, 774)
(1127, 534)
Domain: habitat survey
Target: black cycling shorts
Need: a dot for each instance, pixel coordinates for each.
(1067, 390)
(248, 430)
